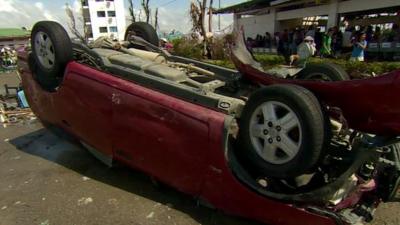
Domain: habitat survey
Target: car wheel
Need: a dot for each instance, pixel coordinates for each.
(52, 50)
(388, 187)
(143, 30)
(323, 71)
(281, 131)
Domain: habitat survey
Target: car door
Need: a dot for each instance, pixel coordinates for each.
(157, 134)
(84, 103)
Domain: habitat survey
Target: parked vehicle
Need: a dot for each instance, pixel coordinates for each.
(277, 150)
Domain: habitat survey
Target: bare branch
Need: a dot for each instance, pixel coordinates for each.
(156, 19)
(72, 24)
(132, 11)
(146, 9)
(210, 16)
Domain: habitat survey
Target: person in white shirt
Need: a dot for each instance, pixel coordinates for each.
(304, 51)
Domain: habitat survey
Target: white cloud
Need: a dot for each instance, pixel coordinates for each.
(24, 13)
(180, 20)
(76, 6)
(170, 19)
(7, 6)
(39, 5)
(20, 13)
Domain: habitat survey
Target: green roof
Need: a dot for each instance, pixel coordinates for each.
(245, 6)
(13, 32)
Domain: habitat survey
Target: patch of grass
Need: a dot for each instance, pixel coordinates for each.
(224, 63)
(190, 48)
(356, 68)
(268, 61)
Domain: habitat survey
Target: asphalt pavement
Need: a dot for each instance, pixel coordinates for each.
(47, 180)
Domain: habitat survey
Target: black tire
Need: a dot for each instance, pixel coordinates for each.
(310, 117)
(143, 30)
(323, 71)
(49, 76)
(390, 181)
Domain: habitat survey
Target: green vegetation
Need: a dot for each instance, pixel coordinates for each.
(187, 48)
(192, 49)
(13, 32)
(357, 69)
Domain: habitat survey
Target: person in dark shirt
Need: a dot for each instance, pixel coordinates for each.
(337, 42)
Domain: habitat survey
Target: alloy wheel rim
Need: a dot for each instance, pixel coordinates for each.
(275, 132)
(44, 50)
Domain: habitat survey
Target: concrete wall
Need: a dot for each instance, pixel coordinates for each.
(277, 21)
(361, 5)
(259, 24)
(118, 21)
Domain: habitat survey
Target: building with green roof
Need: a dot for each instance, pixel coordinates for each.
(13, 37)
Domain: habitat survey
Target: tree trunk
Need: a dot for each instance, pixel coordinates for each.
(72, 25)
(146, 9)
(203, 28)
(156, 19)
(131, 11)
(210, 16)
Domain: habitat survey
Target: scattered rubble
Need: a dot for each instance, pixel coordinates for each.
(14, 108)
(46, 222)
(16, 116)
(151, 215)
(85, 201)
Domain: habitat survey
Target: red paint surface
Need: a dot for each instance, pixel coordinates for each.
(175, 141)
(369, 105)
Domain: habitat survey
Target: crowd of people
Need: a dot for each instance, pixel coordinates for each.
(331, 43)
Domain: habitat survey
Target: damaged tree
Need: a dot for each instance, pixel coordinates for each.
(72, 25)
(210, 15)
(132, 11)
(146, 9)
(156, 19)
(197, 15)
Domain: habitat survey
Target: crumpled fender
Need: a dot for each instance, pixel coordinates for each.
(369, 105)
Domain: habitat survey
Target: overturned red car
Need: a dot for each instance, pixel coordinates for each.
(293, 150)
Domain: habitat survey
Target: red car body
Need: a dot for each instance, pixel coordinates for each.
(368, 105)
(177, 142)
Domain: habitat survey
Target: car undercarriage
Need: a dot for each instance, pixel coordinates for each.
(284, 141)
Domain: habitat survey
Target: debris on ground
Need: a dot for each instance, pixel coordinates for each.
(151, 215)
(16, 116)
(14, 108)
(85, 201)
(46, 222)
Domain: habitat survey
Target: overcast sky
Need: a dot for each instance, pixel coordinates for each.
(173, 14)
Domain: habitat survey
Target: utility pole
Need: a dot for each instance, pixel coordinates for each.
(219, 16)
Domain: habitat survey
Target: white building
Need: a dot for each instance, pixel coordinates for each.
(260, 16)
(104, 18)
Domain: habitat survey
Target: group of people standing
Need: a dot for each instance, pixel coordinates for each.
(331, 43)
